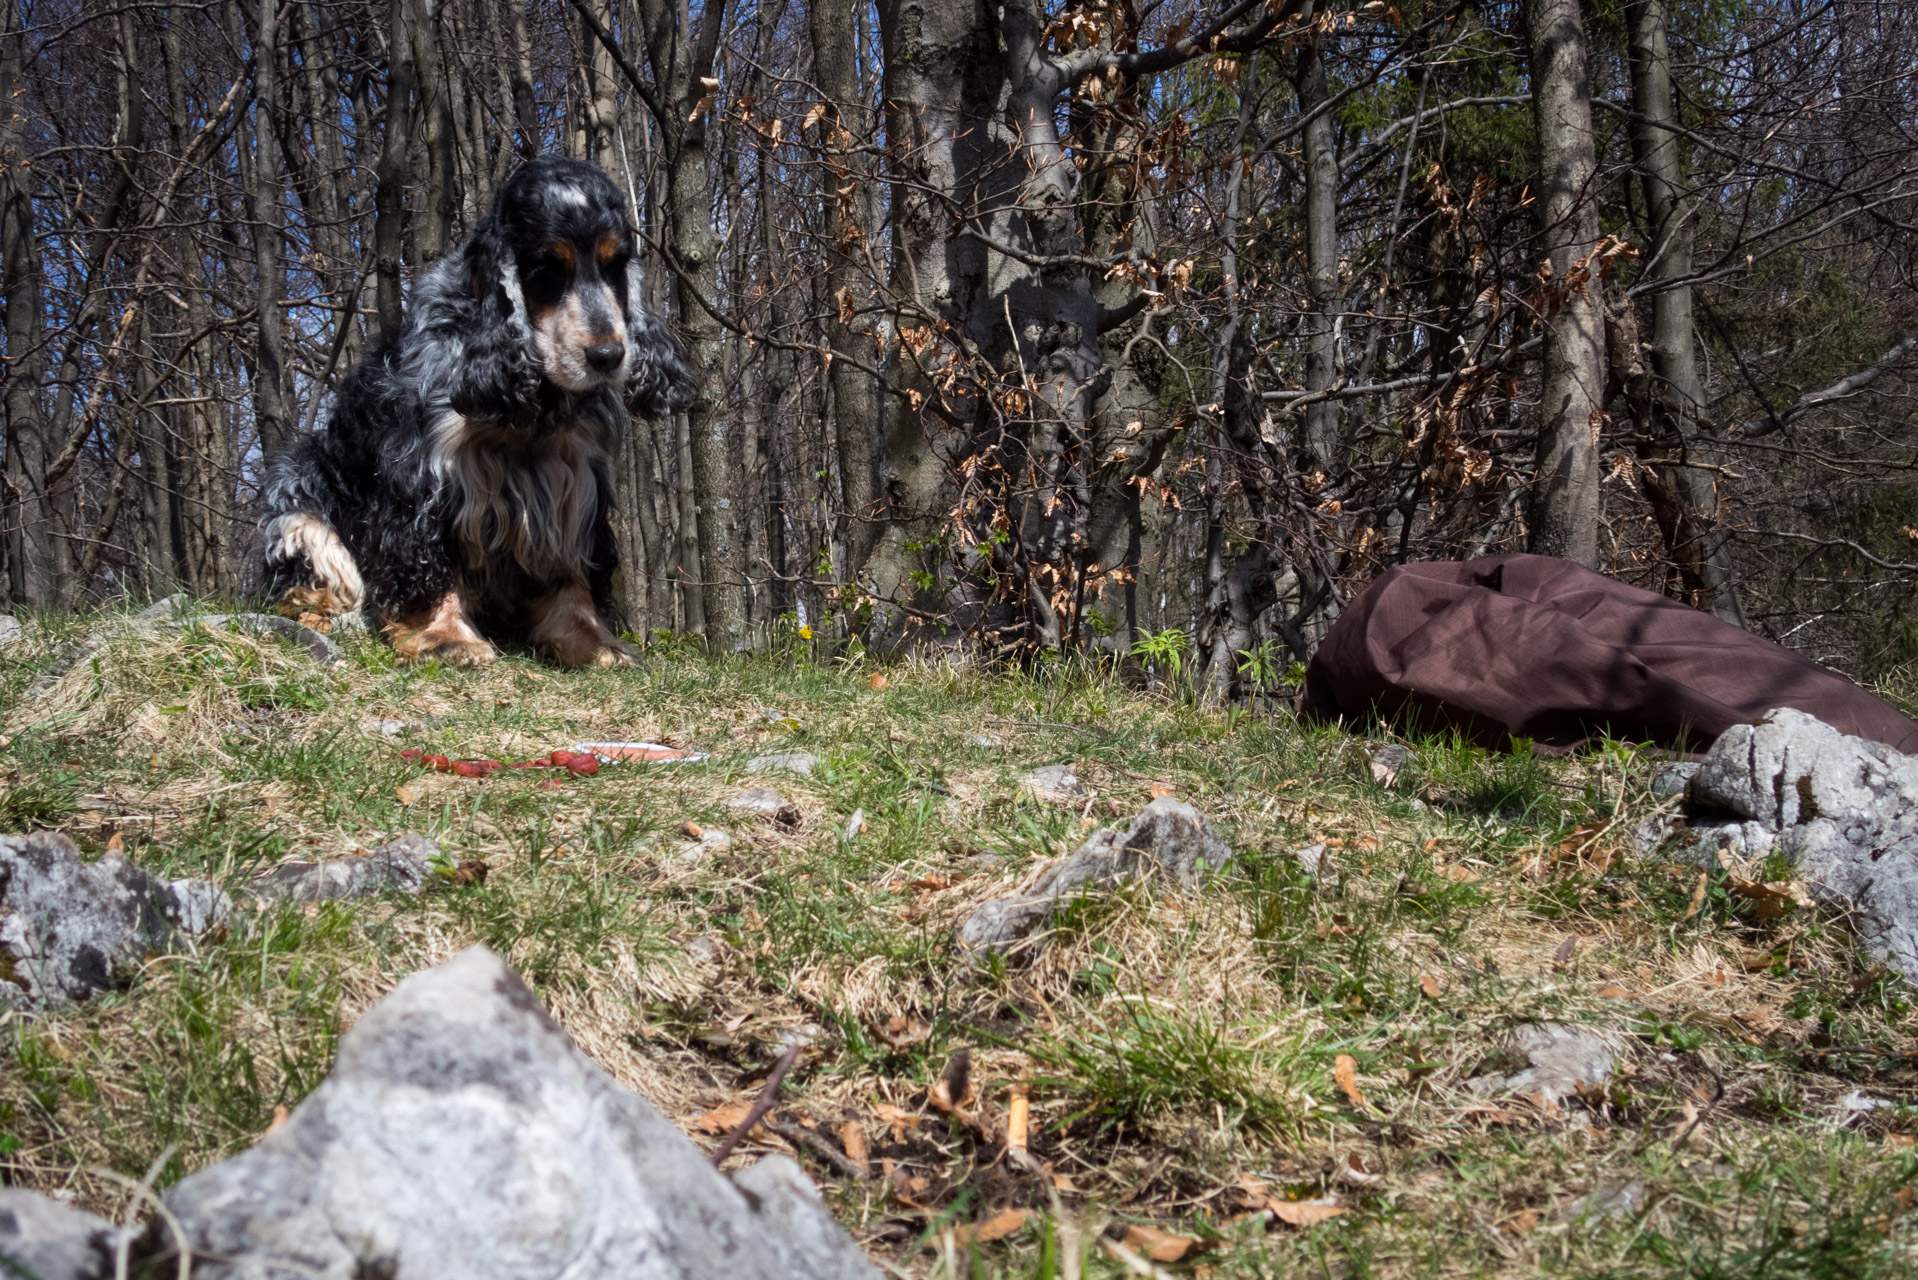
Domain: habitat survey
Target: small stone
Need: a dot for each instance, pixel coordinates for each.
(1858, 1102)
(385, 728)
(1388, 762)
(1055, 784)
(702, 950)
(166, 610)
(1311, 859)
(317, 646)
(1615, 1200)
(1562, 1062)
(70, 929)
(48, 1240)
(856, 823)
(799, 762)
(1670, 782)
(403, 864)
(462, 1133)
(984, 740)
(9, 628)
(762, 801)
(1169, 837)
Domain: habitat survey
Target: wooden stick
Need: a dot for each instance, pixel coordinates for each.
(761, 1105)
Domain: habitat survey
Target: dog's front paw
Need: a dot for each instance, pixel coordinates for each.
(618, 654)
(462, 653)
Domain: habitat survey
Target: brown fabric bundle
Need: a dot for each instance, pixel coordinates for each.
(1539, 648)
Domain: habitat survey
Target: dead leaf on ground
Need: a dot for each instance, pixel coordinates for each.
(1345, 1070)
(1160, 1246)
(1612, 991)
(1464, 875)
(1698, 896)
(1429, 984)
(903, 1031)
(1305, 1213)
(721, 1120)
(900, 1120)
(997, 1227)
(1770, 899)
(878, 680)
(852, 1136)
(1563, 955)
(406, 794)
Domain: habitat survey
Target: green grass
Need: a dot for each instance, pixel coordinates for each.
(1176, 1047)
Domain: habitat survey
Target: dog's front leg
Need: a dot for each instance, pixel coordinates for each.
(441, 632)
(567, 629)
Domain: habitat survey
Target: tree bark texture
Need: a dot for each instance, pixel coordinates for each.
(1564, 509)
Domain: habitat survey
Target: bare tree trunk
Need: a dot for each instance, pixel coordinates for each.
(389, 195)
(1677, 397)
(272, 418)
(1564, 516)
(24, 533)
(440, 209)
(1321, 248)
(940, 86)
(525, 106)
(857, 404)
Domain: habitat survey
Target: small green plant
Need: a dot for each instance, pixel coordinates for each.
(1163, 651)
(1263, 667)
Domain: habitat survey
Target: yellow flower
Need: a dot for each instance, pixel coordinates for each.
(805, 633)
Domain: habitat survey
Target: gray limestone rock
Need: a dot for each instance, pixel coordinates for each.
(1169, 838)
(1613, 1200)
(1388, 762)
(799, 762)
(1671, 781)
(1560, 1062)
(48, 1240)
(763, 801)
(1054, 784)
(70, 928)
(403, 864)
(318, 646)
(9, 628)
(1841, 810)
(462, 1133)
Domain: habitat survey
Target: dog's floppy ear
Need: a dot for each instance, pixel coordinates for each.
(498, 368)
(657, 381)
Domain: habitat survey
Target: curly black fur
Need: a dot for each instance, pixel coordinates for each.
(469, 454)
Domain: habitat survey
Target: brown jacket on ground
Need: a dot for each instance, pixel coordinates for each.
(1539, 648)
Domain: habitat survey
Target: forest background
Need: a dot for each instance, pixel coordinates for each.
(1159, 326)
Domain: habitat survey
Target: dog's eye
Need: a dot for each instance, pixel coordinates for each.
(545, 280)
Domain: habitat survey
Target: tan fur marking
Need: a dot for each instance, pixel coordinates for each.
(442, 633)
(563, 251)
(567, 629)
(608, 247)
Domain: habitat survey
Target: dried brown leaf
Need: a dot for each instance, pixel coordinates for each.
(1160, 1246)
(1305, 1213)
(1345, 1070)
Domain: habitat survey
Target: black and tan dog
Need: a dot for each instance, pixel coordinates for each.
(461, 488)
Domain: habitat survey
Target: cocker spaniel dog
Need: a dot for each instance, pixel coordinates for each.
(461, 489)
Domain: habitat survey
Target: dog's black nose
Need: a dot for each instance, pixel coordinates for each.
(604, 357)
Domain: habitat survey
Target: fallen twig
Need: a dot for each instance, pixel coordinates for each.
(761, 1105)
